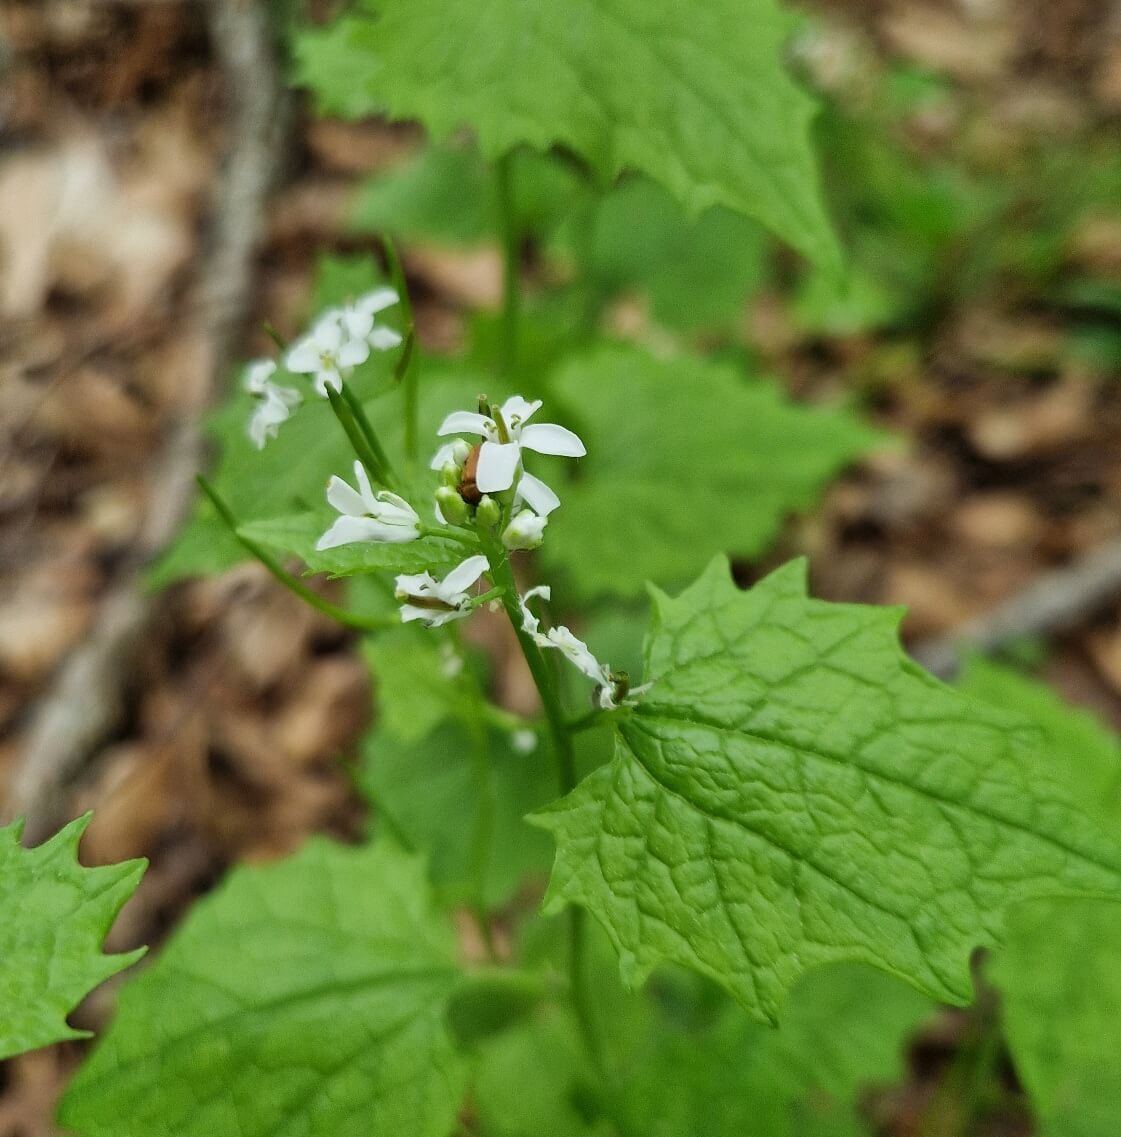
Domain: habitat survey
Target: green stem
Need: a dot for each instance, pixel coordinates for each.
(406, 371)
(503, 576)
(358, 441)
(360, 623)
(358, 413)
(482, 837)
(448, 534)
(511, 258)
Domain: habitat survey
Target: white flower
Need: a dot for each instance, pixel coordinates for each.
(358, 320)
(450, 457)
(274, 404)
(578, 654)
(326, 352)
(258, 376)
(437, 602)
(525, 531)
(530, 624)
(368, 516)
(499, 460)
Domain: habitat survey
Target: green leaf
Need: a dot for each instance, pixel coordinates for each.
(1060, 978)
(1059, 971)
(702, 1068)
(307, 997)
(298, 533)
(697, 272)
(794, 791)
(684, 460)
(446, 193)
(53, 917)
(697, 98)
(431, 793)
(528, 1081)
(335, 68)
(1079, 749)
(413, 688)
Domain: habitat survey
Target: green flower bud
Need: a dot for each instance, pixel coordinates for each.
(452, 507)
(525, 531)
(488, 512)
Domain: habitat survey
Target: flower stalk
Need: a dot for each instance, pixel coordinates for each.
(333, 611)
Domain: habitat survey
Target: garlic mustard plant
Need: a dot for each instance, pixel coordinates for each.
(781, 819)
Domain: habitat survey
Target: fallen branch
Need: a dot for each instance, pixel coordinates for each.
(85, 701)
(1056, 602)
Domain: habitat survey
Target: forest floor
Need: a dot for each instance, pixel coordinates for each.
(238, 702)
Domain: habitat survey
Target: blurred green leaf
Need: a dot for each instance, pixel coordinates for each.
(684, 460)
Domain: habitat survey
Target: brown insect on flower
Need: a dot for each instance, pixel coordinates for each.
(467, 488)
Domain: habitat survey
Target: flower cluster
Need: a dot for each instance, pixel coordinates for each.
(339, 340)
(495, 504)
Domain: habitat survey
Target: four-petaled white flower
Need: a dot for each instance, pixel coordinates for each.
(437, 602)
(274, 404)
(368, 516)
(358, 320)
(326, 352)
(505, 436)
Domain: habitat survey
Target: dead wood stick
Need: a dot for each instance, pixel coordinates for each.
(85, 700)
(1055, 602)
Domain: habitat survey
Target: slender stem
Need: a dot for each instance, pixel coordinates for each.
(406, 371)
(358, 412)
(511, 257)
(448, 534)
(361, 623)
(358, 440)
(482, 836)
(503, 576)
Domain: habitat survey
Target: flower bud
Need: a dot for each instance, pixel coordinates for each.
(453, 509)
(488, 512)
(525, 531)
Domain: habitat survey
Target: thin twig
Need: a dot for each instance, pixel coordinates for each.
(1055, 602)
(85, 700)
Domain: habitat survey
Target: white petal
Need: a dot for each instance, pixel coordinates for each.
(352, 353)
(345, 499)
(328, 377)
(357, 323)
(395, 510)
(410, 612)
(437, 619)
(303, 356)
(466, 422)
(377, 300)
(289, 396)
(415, 584)
(536, 495)
(443, 457)
(577, 653)
(548, 438)
(348, 531)
(518, 408)
(257, 375)
(497, 463)
(463, 576)
(328, 332)
(383, 339)
(260, 429)
(542, 590)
